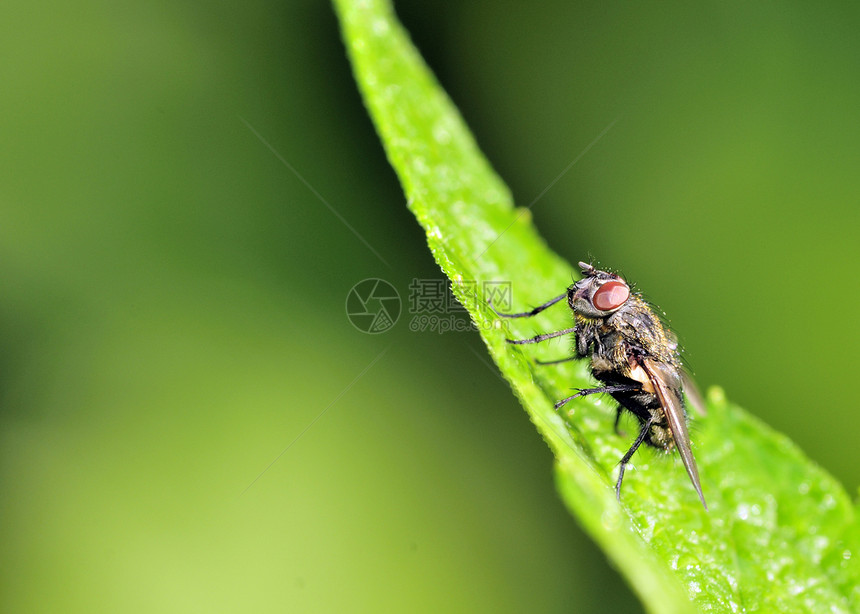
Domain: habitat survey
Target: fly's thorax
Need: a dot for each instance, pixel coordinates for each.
(642, 329)
(603, 343)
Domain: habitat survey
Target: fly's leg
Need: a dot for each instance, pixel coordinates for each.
(586, 391)
(528, 314)
(534, 312)
(556, 362)
(618, 411)
(646, 426)
(539, 338)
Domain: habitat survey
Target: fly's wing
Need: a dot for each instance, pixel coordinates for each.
(694, 395)
(670, 399)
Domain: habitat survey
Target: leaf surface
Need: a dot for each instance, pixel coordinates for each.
(781, 534)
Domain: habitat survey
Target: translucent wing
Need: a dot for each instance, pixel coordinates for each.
(670, 399)
(694, 395)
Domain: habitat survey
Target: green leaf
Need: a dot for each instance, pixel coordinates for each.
(781, 534)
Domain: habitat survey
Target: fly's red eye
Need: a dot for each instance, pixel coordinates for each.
(611, 295)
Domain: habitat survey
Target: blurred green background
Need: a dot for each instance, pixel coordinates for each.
(172, 300)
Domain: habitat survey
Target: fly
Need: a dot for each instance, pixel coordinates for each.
(634, 358)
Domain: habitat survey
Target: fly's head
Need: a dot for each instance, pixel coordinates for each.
(598, 294)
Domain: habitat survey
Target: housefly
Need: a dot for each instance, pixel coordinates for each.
(633, 356)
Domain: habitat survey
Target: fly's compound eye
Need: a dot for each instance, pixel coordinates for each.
(610, 295)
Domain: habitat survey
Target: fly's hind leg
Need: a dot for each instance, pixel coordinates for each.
(618, 411)
(646, 426)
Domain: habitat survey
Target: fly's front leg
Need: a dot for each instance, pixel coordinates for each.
(534, 312)
(527, 314)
